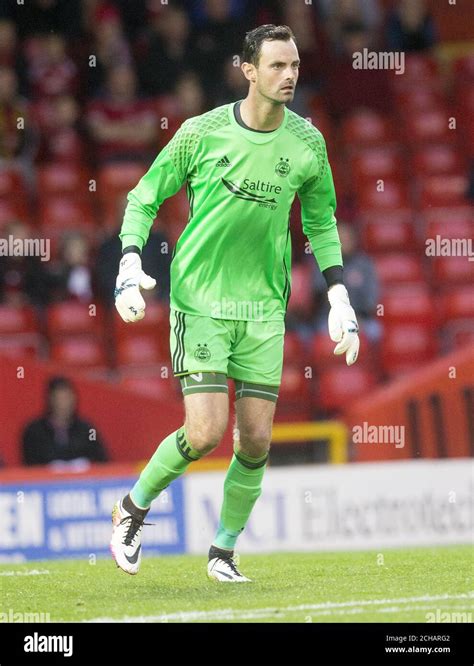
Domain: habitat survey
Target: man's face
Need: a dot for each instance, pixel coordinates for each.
(277, 71)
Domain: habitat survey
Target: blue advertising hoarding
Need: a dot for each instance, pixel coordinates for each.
(72, 518)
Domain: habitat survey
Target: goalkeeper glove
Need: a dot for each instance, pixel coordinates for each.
(131, 278)
(342, 323)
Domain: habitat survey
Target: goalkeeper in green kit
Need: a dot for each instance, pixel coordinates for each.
(243, 163)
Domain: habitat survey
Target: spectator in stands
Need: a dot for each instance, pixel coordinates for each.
(16, 142)
(51, 72)
(166, 50)
(156, 260)
(362, 284)
(123, 126)
(61, 131)
(45, 16)
(23, 279)
(217, 36)
(72, 276)
(10, 53)
(234, 84)
(60, 434)
(410, 27)
(338, 13)
(348, 88)
(110, 48)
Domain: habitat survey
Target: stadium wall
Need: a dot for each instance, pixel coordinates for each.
(302, 508)
(434, 406)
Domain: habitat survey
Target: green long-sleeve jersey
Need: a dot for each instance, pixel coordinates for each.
(233, 259)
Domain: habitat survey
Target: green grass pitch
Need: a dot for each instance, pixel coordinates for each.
(402, 585)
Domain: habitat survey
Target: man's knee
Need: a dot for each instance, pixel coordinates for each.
(255, 440)
(204, 437)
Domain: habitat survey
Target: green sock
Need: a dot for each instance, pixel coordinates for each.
(242, 488)
(169, 461)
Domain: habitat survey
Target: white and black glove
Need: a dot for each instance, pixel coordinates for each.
(342, 323)
(131, 278)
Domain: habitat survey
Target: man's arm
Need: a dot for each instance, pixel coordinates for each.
(163, 179)
(318, 207)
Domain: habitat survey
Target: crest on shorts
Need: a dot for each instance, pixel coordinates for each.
(283, 167)
(202, 353)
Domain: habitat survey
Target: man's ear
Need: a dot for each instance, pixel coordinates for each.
(249, 71)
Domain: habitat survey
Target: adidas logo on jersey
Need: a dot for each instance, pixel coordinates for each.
(224, 162)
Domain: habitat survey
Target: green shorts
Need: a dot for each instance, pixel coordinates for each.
(246, 351)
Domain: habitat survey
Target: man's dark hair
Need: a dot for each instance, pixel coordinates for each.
(255, 38)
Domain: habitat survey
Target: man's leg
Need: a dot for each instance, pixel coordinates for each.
(243, 482)
(206, 420)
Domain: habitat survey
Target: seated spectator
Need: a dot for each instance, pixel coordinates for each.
(51, 72)
(156, 261)
(123, 126)
(188, 100)
(46, 17)
(23, 279)
(410, 27)
(337, 14)
(60, 130)
(110, 46)
(217, 36)
(165, 50)
(60, 434)
(362, 284)
(348, 88)
(10, 52)
(234, 84)
(15, 143)
(72, 275)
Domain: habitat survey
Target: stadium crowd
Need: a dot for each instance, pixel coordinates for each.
(91, 90)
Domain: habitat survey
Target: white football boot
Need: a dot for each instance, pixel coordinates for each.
(223, 567)
(126, 539)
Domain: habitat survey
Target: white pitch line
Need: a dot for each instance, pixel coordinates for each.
(30, 572)
(232, 614)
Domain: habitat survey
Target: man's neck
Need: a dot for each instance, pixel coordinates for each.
(263, 116)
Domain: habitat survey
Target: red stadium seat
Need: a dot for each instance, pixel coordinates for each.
(14, 320)
(458, 303)
(141, 350)
(113, 184)
(393, 196)
(294, 350)
(367, 128)
(12, 210)
(448, 215)
(294, 402)
(437, 159)
(449, 227)
(65, 212)
(443, 190)
(79, 352)
(302, 292)
(71, 318)
(397, 267)
(429, 126)
(339, 387)
(371, 164)
(62, 178)
(418, 98)
(452, 270)
(391, 231)
(408, 303)
(405, 346)
(11, 184)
